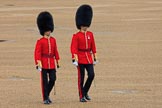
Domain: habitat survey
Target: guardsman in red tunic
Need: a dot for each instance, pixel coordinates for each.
(46, 54)
(83, 50)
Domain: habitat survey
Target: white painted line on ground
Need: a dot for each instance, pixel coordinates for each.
(124, 91)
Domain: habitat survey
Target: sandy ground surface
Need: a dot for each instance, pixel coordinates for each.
(129, 45)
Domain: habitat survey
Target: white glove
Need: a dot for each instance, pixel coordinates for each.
(39, 68)
(95, 62)
(75, 63)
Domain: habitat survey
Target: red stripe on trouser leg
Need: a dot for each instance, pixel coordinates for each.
(79, 83)
(42, 85)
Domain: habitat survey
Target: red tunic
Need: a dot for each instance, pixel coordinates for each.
(46, 51)
(83, 45)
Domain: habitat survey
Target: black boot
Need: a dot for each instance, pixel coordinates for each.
(87, 97)
(83, 99)
(46, 102)
(49, 100)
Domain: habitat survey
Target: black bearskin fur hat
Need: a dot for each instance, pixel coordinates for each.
(84, 16)
(45, 22)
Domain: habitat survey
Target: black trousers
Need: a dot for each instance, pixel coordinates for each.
(84, 88)
(48, 78)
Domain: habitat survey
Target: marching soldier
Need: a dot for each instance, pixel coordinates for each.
(46, 54)
(83, 50)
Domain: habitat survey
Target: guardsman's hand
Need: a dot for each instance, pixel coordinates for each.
(39, 66)
(39, 63)
(75, 57)
(75, 60)
(95, 59)
(75, 63)
(58, 63)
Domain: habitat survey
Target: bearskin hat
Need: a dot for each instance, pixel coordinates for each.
(84, 16)
(45, 22)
